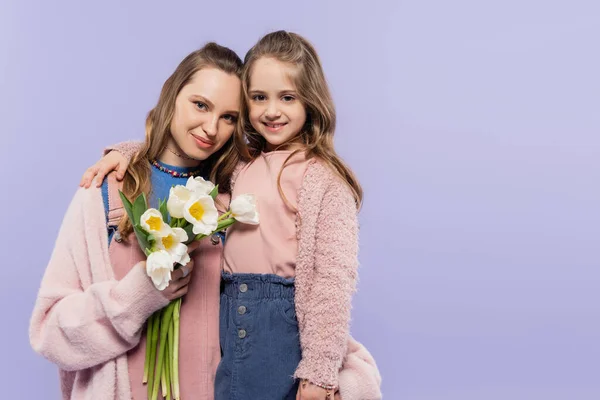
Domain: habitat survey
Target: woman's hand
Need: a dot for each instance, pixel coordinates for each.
(180, 278)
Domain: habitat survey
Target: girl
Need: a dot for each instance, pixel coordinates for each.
(96, 296)
(287, 283)
(304, 252)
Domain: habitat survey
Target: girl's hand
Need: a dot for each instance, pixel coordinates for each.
(113, 161)
(309, 391)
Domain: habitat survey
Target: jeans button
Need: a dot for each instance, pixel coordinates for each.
(242, 333)
(243, 288)
(242, 310)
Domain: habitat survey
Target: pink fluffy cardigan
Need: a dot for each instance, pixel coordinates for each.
(84, 320)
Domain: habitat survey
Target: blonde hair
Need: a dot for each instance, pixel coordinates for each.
(219, 166)
(313, 91)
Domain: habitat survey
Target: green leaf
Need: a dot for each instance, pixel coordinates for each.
(139, 207)
(214, 192)
(142, 237)
(162, 207)
(147, 252)
(127, 206)
(189, 230)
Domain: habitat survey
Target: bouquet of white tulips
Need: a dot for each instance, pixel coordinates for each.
(188, 214)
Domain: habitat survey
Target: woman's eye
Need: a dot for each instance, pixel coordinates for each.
(201, 105)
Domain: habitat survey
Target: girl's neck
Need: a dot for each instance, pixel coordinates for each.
(290, 146)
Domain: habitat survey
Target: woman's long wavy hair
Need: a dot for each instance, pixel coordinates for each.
(218, 166)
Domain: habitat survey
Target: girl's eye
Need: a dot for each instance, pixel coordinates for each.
(287, 98)
(201, 105)
(259, 97)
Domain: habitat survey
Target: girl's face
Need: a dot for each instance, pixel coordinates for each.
(275, 110)
(206, 110)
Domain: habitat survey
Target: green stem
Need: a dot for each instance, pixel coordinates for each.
(200, 236)
(226, 223)
(164, 328)
(149, 326)
(152, 342)
(170, 339)
(167, 393)
(163, 381)
(167, 371)
(224, 215)
(176, 316)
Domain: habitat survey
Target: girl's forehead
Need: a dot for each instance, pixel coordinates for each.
(272, 73)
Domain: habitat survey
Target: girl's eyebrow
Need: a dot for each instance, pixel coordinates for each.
(280, 92)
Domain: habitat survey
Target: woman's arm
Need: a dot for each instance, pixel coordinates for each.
(79, 322)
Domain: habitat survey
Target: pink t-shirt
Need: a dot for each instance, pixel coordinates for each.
(271, 246)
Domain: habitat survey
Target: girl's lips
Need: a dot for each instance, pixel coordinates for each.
(274, 127)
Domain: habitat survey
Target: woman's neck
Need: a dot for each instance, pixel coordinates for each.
(174, 156)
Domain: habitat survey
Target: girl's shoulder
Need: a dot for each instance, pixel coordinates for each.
(241, 164)
(236, 171)
(320, 176)
(322, 185)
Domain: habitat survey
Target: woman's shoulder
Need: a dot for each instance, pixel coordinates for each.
(86, 207)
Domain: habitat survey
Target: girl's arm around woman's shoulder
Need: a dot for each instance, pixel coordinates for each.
(116, 158)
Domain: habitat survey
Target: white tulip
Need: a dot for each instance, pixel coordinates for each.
(199, 185)
(153, 223)
(178, 196)
(158, 267)
(201, 212)
(173, 244)
(243, 209)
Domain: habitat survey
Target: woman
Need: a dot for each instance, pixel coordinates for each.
(95, 297)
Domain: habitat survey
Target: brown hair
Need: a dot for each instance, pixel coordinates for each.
(219, 166)
(313, 91)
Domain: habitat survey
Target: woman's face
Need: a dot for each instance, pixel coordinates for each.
(206, 111)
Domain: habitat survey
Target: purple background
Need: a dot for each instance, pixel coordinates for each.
(473, 126)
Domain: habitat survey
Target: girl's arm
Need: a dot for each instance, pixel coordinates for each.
(116, 158)
(325, 329)
(78, 324)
